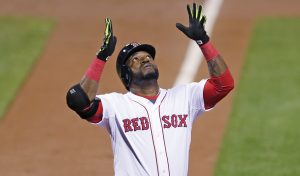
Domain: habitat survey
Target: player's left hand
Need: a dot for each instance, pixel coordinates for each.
(109, 42)
(196, 30)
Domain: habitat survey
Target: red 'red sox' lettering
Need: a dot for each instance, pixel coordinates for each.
(142, 123)
(174, 121)
(134, 125)
(166, 121)
(127, 125)
(182, 119)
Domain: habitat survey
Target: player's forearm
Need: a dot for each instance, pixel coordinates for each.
(81, 97)
(89, 86)
(216, 65)
(90, 81)
(221, 81)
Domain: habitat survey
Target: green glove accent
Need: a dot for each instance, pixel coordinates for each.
(109, 42)
(196, 30)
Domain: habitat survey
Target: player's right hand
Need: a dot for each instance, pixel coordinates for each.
(109, 42)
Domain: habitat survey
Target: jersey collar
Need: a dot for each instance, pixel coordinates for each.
(146, 102)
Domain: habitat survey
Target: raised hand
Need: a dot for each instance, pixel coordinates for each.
(109, 42)
(196, 30)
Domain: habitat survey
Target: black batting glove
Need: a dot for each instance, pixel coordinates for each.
(196, 30)
(109, 42)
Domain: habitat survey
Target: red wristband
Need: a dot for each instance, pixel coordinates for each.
(209, 51)
(95, 69)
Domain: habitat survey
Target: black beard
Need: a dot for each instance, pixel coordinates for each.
(149, 76)
(152, 75)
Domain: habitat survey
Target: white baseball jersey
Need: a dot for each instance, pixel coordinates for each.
(152, 139)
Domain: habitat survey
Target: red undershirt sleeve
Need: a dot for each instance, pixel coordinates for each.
(216, 88)
(98, 116)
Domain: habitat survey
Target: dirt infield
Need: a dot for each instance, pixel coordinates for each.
(41, 136)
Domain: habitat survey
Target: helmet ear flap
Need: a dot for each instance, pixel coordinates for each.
(126, 75)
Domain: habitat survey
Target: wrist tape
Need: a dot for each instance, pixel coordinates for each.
(209, 51)
(95, 70)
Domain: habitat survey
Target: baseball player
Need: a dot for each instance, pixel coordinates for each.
(150, 127)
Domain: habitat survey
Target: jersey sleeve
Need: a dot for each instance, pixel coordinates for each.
(107, 110)
(196, 99)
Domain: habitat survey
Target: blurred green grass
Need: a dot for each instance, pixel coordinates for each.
(263, 134)
(22, 40)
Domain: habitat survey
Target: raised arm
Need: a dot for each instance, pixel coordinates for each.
(81, 97)
(90, 80)
(221, 81)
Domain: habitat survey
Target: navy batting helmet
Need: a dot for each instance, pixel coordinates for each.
(123, 70)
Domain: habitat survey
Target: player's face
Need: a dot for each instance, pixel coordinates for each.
(142, 66)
